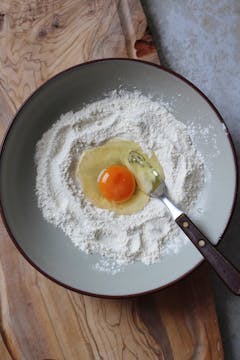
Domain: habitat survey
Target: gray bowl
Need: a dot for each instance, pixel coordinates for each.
(46, 247)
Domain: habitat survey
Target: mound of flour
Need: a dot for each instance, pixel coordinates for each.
(145, 235)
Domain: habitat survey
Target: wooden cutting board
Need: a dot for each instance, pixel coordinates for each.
(39, 319)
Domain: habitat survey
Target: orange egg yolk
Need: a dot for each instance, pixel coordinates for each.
(117, 183)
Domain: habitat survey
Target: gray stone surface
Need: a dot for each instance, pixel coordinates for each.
(201, 40)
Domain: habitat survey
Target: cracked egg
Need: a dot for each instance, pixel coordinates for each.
(116, 176)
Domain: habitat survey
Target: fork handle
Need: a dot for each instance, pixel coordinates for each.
(225, 270)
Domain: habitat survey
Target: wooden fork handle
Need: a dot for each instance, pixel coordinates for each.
(225, 270)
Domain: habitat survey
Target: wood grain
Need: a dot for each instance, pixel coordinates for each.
(39, 319)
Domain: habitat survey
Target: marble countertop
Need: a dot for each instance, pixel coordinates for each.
(200, 40)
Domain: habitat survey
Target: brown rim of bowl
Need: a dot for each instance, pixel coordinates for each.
(194, 88)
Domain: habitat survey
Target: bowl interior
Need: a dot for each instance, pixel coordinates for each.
(47, 247)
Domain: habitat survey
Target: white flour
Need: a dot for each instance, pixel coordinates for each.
(142, 236)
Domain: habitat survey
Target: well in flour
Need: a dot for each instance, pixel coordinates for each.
(143, 236)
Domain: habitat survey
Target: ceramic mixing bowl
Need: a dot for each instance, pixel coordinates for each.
(46, 247)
